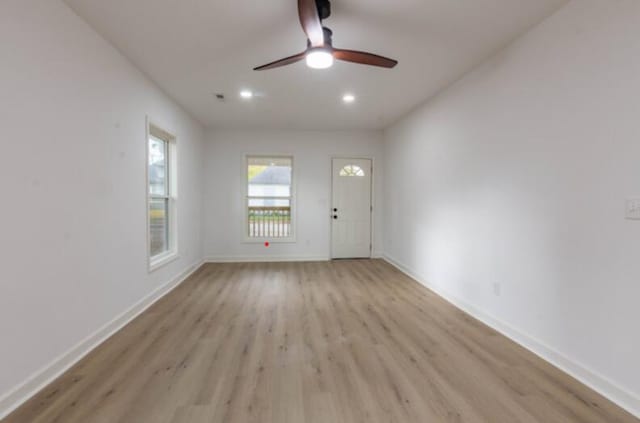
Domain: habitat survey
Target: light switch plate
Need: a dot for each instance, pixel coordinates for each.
(633, 208)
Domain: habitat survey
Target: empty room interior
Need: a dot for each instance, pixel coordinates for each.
(315, 211)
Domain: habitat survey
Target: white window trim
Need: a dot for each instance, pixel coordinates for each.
(291, 239)
(160, 260)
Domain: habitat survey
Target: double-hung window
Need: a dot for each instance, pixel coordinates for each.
(161, 196)
(269, 201)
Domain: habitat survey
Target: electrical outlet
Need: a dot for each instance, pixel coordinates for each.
(633, 209)
(497, 289)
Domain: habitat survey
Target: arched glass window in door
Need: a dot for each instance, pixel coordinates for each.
(351, 170)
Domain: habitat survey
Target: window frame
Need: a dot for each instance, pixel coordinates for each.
(245, 198)
(157, 261)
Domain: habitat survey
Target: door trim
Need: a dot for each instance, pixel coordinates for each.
(371, 196)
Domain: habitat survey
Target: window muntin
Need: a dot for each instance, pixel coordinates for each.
(161, 196)
(269, 199)
(352, 170)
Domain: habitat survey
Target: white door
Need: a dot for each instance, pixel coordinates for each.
(351, 208)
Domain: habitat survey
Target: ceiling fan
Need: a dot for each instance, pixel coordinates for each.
(320, 53)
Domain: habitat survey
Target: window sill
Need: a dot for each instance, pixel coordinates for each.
(291, 240)
(162, 260)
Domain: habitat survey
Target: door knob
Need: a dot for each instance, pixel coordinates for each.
(335, 216)
(335, 210)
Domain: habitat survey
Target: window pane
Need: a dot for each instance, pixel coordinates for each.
(269, 218)
(269, 176)
(269, 202)
(159, 226)
(157, 167)
(352, 170)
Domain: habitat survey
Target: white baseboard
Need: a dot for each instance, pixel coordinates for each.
(274, 259)
(39, 380)
(263, 259)
(605, 387)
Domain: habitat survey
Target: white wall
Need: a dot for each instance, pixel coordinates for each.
(312, 151)
(518, 175)
(72, 178)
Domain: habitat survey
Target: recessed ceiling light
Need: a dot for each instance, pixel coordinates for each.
(349, 98)
(246, 94)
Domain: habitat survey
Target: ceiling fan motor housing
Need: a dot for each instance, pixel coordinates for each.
(324, 8)
(328, 38)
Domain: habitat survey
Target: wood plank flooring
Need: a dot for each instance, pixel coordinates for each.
(337, 342)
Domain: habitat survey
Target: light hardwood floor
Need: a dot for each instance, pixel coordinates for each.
(337, 342)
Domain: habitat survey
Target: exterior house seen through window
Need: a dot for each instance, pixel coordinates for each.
(269, 197)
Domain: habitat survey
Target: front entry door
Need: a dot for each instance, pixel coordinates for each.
(351, 208)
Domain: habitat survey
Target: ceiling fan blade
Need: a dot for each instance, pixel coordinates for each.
(310, 21)
(364, 58)
(282, 62)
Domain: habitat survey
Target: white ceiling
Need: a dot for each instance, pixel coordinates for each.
(195, 48)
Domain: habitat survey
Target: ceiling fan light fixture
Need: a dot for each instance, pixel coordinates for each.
(319, 58)
(320, 53)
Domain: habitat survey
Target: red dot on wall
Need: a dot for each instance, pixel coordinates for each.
(266, 244)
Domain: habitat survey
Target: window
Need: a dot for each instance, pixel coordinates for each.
(351, 170)
(269, 199)
(161, 196)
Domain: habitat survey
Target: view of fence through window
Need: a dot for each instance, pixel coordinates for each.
(269, 196)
